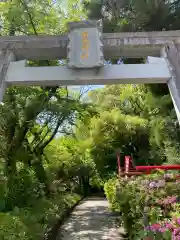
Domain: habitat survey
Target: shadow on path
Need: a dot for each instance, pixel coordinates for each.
(91, 220)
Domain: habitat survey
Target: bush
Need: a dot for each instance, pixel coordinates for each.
(110, 188)
(11, 227)
(24, 190)
(34, 222)
(147, 204)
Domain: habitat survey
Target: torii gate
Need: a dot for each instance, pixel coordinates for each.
(85, 47)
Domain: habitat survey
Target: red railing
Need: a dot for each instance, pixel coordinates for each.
(138, 170)
(148, 169)
(164, 167)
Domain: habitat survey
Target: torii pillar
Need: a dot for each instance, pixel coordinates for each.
(171, 53)
(6, 57)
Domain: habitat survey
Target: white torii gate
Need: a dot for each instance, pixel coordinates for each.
(85, 47)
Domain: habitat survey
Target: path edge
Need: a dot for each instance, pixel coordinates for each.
(53, 232)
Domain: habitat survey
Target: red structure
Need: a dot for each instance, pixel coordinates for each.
(130, 170)
(148, 169)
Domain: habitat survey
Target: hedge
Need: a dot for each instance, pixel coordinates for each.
(149, 205)
(34, 223)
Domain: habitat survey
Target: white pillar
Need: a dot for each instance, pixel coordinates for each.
(172, 55)
(6, 57)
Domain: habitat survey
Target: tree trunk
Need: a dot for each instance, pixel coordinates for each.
(41, 174)
(10, 168)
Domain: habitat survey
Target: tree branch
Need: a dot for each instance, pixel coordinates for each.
(38, 133)
(30, 17)
(60, 121)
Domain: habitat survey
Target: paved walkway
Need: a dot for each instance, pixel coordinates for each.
(91, 220)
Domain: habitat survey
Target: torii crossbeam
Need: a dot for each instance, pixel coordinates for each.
(85, 48)
(128, 44)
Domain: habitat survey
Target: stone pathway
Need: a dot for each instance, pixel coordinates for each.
(91, 220)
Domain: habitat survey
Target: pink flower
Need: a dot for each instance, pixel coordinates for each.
(169, 225)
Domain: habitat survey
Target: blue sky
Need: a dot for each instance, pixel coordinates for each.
(92, 86)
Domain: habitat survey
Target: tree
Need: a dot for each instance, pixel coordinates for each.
(31, 117)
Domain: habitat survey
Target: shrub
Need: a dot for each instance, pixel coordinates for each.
(24, 191)
(148, 200)
(34, 222)
(110, 188)
(11, 227)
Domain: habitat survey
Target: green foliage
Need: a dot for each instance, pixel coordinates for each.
(141, 202)
(40, 218)
(110, 188)
(34, 222)
(11, 227)
(31, 197)
(39, 174)
(25, 190)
